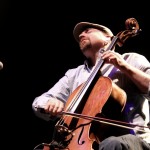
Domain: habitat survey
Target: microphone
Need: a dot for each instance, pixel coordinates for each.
(1, 65)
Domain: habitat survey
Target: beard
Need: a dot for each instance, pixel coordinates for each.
(84, 46)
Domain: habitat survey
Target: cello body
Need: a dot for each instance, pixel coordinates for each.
(78, 133)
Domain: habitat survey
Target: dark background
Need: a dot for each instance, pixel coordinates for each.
(37, 47)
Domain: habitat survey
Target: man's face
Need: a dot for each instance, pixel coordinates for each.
(91, 40)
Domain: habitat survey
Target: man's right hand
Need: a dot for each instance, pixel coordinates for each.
(54, 106)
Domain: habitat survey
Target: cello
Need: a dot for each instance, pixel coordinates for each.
(75, 127)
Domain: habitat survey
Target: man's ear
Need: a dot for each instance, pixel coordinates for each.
(108, 38)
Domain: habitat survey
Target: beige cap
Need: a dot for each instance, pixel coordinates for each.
(83, 25)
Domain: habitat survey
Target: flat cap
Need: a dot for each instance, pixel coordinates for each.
(81, 26)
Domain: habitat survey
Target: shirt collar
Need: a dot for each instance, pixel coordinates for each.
(87, 66)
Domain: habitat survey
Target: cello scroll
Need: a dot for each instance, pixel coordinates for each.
(132, 29)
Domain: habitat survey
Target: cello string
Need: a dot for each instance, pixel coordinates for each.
(71, 105)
